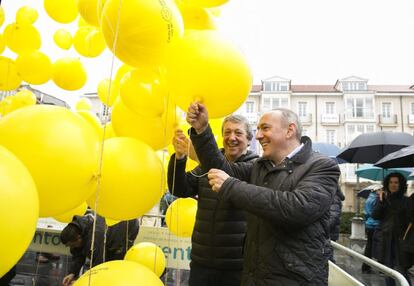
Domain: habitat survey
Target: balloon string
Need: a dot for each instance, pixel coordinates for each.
(43, 233)
(102, 150)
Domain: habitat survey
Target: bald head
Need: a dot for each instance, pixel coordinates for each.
(288, 117)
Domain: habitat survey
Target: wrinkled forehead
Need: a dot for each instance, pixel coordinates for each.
(271, 118)
(233, 126)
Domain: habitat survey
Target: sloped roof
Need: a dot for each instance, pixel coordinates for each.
(313, 88)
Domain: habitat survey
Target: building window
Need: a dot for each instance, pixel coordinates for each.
(354, 86)
(270, 103)
(330, 107)
(330, 136)
(269, 86)
(412, 108)
(356, 129)
(249, 107)
(302, 109)
(386, 110)
(275, 86)
(360, 107)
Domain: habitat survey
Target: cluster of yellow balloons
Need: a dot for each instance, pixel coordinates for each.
(60, 150)
(21, 99)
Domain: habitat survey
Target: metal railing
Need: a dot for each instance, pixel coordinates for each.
(399, 278)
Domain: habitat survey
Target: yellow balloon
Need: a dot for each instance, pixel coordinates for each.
(180, 216)
(3, 107)
(25, 97)
(156, 132)
(9, 78)
(130, 179)
(109, 131)
(111, 222)
(2, 16)
(205, 67)
(60, 150)
(2, 44)
(69, 74)
(89, 41)
(68, 216)
(82, 22)
(7, 105)
(205, 3)
(22, 38)
(142, 91)
(34, 67)
(62, 11)
(122, 71)
(19, 209)
(26, 15)
(119, 273)
(197, 18)
(149, 255)
(215, 11)
(83, 103)
(106, 86)
(90, 11)
(63, 39)
(144, 32)
(93, 120)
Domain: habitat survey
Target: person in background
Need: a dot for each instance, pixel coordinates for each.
(335, 217)
(120, 237)
(372, 248)
(394, 212)
(220, 227)
(287, 195)
(78, 236)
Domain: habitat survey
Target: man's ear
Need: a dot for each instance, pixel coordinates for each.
(291, 131)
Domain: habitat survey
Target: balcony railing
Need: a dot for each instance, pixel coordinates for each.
(387, 120)
(251, 117)
(365, 115)
(330, 119)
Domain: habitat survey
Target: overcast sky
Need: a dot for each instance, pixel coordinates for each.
(307, 41)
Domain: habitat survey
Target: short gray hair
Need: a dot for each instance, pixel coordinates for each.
(289, 117)
(236, 118)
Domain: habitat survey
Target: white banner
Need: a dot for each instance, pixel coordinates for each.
(176, 249)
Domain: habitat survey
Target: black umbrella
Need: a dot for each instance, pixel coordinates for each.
(364, 193)
(371, 147)
(401, 158)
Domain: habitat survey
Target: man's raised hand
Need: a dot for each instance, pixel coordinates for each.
(197, 117)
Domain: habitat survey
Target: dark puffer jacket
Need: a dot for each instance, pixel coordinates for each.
(79, 255)
(335, 214)
(219, 231)
(288, 212)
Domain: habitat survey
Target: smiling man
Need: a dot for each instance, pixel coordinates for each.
(220, 227)
(287, 195)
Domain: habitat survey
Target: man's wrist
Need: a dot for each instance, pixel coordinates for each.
(201, 129)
